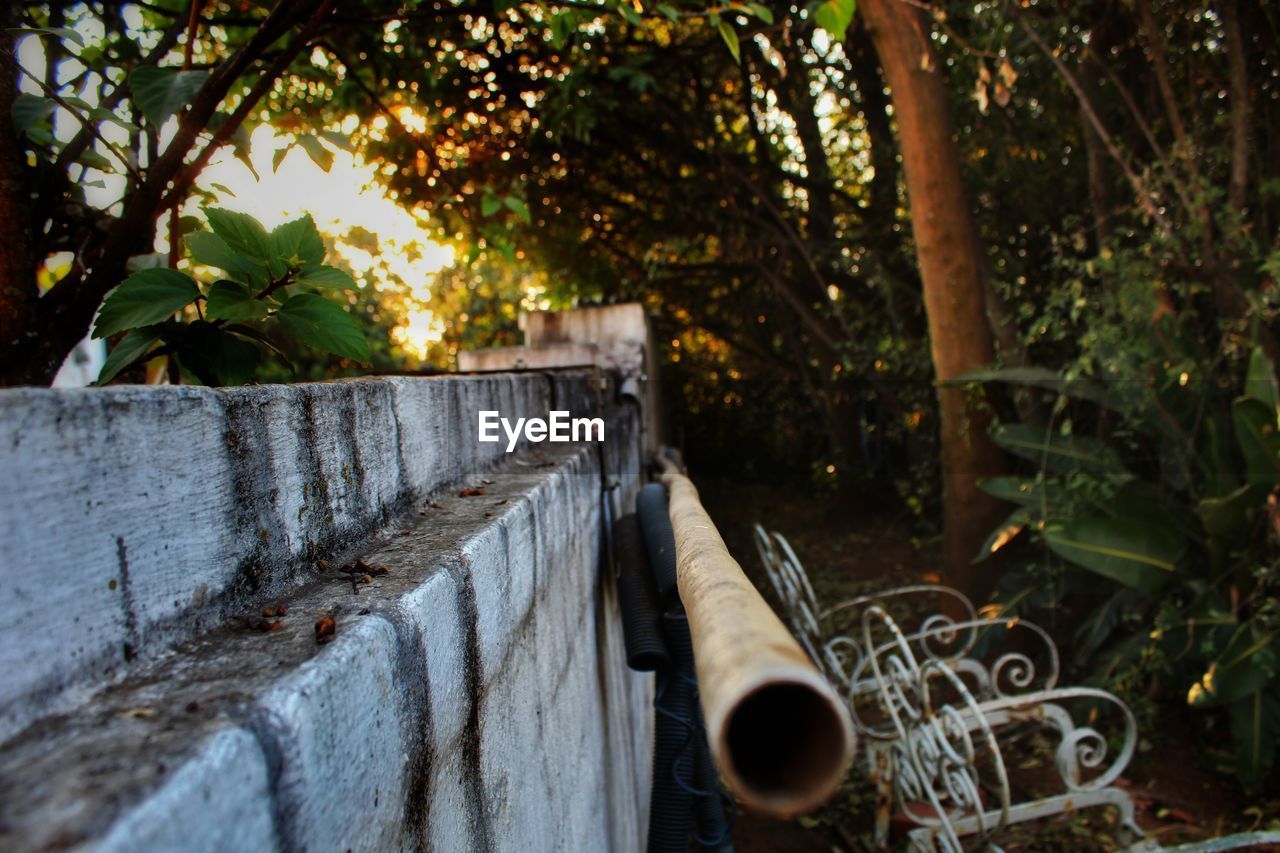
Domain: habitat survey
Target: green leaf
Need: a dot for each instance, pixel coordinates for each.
(1049, 380)
(149, 261)
(278, 157)
(834, 16)
(143, 299)
(31, 111)
(337, 139)
(1140, 501)
(223, 188)
(209, 249)
(298, 242)
(1028, 492)
(761, 12)
(1244, 667)
(242, 154)
(1135, 554)
(1255, 726)
(730, 37)
(1222, 517)
(216, 357)
(242, 233)
(42, 135)
(315, 321)
(1099, 625)
(672, 13)
(1004, 534)
(1260, 380)
(230, 300)
(79, 103)
(128, 350)
(489, 205)
(562, 27)
(519, 208)
(256, 335)
(1217, 461)
(315, 149)
(321, 275)
(1259, 439)
(99, 114)
(63, 33)
(1058, 453)
(91, 158)
(631, 15)
(161, 92)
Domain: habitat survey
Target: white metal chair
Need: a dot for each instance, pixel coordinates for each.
(934, 701)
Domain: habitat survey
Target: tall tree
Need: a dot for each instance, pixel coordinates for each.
(952, 271)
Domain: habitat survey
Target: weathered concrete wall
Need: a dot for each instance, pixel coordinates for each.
(474, 697)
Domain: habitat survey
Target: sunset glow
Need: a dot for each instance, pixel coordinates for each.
(347, 197)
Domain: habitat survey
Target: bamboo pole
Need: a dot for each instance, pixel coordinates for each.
(780, 733)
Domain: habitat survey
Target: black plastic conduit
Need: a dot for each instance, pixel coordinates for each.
(686, 802)
(659, 540)
(638, 596)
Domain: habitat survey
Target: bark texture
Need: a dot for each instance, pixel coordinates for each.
(952, 273)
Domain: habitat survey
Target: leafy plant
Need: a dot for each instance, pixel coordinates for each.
(1173, 503)
(271, 285)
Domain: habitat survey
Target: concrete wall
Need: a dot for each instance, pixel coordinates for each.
(473, 697)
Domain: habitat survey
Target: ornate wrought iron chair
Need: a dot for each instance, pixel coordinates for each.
(935, 701)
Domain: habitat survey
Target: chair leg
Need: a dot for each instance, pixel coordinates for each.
(880, 759)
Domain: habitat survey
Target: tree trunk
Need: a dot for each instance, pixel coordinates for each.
(1238, 71)
(18, 294)
(902, 286)
(951, 270)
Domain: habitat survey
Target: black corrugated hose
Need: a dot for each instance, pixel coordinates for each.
(686, 802)
(659, 540)
(641, 613)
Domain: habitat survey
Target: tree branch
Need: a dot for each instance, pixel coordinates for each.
(1155, 41)
(227, 129)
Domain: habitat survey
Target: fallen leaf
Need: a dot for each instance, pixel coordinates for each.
(326, 628)
(470, 493)
(138, 713)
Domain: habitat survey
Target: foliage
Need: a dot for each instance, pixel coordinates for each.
(1142, 283)
(135, 100)
(1173, 501)
(478, 301)
(270, 289)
